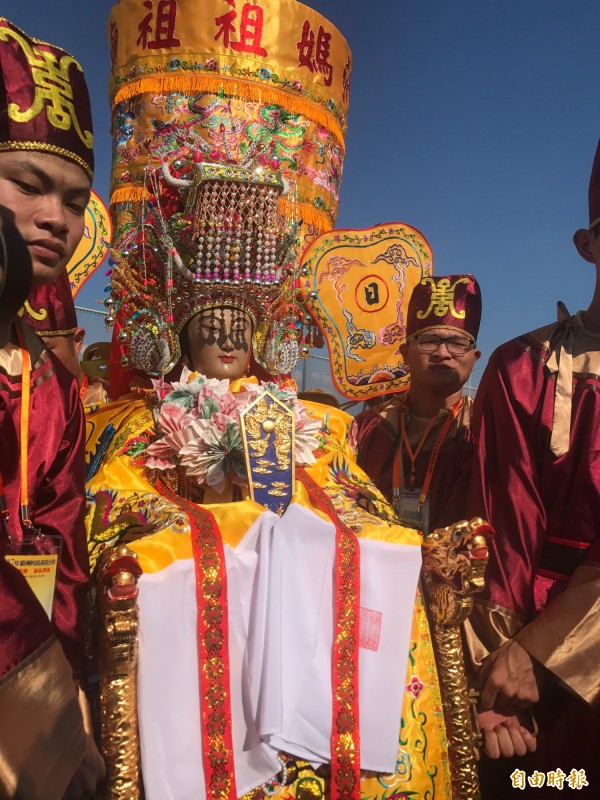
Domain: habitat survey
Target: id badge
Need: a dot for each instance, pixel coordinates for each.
(37, 560)
(408, 513)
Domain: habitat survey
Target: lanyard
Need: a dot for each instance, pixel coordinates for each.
(24, 440)
(398, 471)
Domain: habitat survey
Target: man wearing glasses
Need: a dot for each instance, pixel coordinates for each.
(417, 447)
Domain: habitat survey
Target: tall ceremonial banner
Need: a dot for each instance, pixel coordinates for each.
(93, 247)
(357, 284)
(225, 76)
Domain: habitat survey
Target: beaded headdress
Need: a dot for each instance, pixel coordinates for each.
(210, 235)
(44, 101)
(228, 133)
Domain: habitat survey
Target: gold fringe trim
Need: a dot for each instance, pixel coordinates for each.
(308, 214)
(238, 87)
(129, 194)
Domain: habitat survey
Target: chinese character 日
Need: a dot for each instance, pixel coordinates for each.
(518, 779)
(164, 30)
(252, 22)
(306, 48)
(372, 294)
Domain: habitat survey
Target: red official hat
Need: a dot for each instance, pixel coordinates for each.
(50, 310)
(594, 191)
(445, 301)
(44, 101)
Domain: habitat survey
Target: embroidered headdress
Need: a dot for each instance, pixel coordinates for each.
(50, 310)
(445, 301)
(44, 101)
(211, 236)
(228, 149)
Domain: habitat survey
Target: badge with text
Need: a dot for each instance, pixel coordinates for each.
(409, 511)
(37, 561)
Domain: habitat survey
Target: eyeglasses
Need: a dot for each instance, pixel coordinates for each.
(456, 345)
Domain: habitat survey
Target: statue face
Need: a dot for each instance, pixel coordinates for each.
(219, 343)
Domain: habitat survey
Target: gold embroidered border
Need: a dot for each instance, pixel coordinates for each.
(45, 147)
(345, 731)
(213, 649)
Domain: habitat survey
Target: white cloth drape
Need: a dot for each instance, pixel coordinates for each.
(281, 626)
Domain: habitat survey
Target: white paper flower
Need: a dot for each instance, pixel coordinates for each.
(213, 454)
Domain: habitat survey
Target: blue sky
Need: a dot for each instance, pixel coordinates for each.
(475, 121)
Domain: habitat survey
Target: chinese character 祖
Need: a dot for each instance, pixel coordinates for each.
(306, 47)
(518, 779)
(536, 779)
(251, 29)
(164, 33)
(556, 778)
(577, 779)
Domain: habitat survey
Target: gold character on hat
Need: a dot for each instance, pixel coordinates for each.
(442, 299)
(52, 88)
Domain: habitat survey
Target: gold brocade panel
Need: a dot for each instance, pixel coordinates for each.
(357, 285)
(230, 75)
(123, 500)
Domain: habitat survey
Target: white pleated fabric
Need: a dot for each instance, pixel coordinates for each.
(281, 627)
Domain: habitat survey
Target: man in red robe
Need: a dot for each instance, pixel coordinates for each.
(46, 165)
(416, 447)
(537, 480)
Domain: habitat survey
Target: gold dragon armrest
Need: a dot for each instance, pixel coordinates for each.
(454, 562)
(117, 596)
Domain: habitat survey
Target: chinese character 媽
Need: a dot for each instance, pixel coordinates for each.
(313, 52)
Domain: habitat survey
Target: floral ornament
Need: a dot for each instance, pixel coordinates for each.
(215, 453)
(198, 422)
(415, 686)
